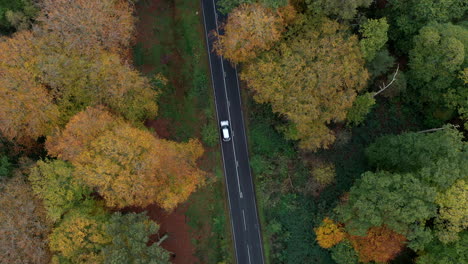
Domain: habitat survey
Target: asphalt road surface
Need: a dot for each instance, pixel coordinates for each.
(241, 195)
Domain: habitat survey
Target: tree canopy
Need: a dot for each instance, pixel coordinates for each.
(23, 226)
(439, 55)
(251, 29)
(328, 71)
(342, 9)
(126, 165)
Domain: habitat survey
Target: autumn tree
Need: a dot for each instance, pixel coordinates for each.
(128, 166)
(406, 18)
(81, 235)
(130, 236)
(453, 211)
(26, 107)
(249, 30)
(438, 57)
(380, 245)
(343, 9)
(23, 226)
(52, 181)
(329, 233)
(327, 68)
(374, 37)
(89, 24)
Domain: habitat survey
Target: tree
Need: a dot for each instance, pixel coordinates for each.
(250, 29)
(26, 108)
(412, 151)
(328, 71)
(130, 236)
(128, 166)
(329, 233)
(453, 211)
(23, 227)
(344, 253)
(226, 6)
(360, 109)
(88, 25)
(440, 253)
(342, 9)
(374, 37)
(324, 174)
(79, 132)
(407, 17)
(52, 181)
(16, 13)
(5, 166)
(380, 245)
(81, 235)
(383, 198)
(438, 56)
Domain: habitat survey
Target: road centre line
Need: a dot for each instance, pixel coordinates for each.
(245, 225)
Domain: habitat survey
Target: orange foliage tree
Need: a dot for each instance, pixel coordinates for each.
(89, 23)
(329, 233)
(26, 107)
(381, 245)
(128, 166)
(250, 29)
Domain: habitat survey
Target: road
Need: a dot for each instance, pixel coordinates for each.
(241, 195)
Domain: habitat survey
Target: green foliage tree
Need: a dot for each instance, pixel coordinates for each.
(383, 198)
(16, 13)
(374, 37)
(5, 166)
(328, 72)
(380, 64)
(451, 253)
(344, 253)
(324, 174)
(453, 211)
(413, 151)
(438, 57)
(226, 6)
(342, 9)
(23, 226)
(53, 182)
(361, 107)
(130, 235)
(407, 17)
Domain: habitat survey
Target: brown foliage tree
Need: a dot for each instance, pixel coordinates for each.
(26, 108)
(381, 245)
(250, 29)
(312, 79)
(128, 166)
(23, 227)
(87, 24)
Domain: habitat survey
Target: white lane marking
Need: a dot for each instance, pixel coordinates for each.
(243, 216)
(248, 253)
(250, 173)
(225, 94)
(217, 116)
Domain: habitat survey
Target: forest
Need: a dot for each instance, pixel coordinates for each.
(357, 120)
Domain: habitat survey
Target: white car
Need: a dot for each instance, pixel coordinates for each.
(225, 131)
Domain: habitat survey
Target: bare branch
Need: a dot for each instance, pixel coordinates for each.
(383, 87)
(437, 129)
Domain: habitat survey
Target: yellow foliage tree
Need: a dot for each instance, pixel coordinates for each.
(26, 108)
(329, 233)
(250, 29)
(88, 24)
(126, 165)
(312, 79)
